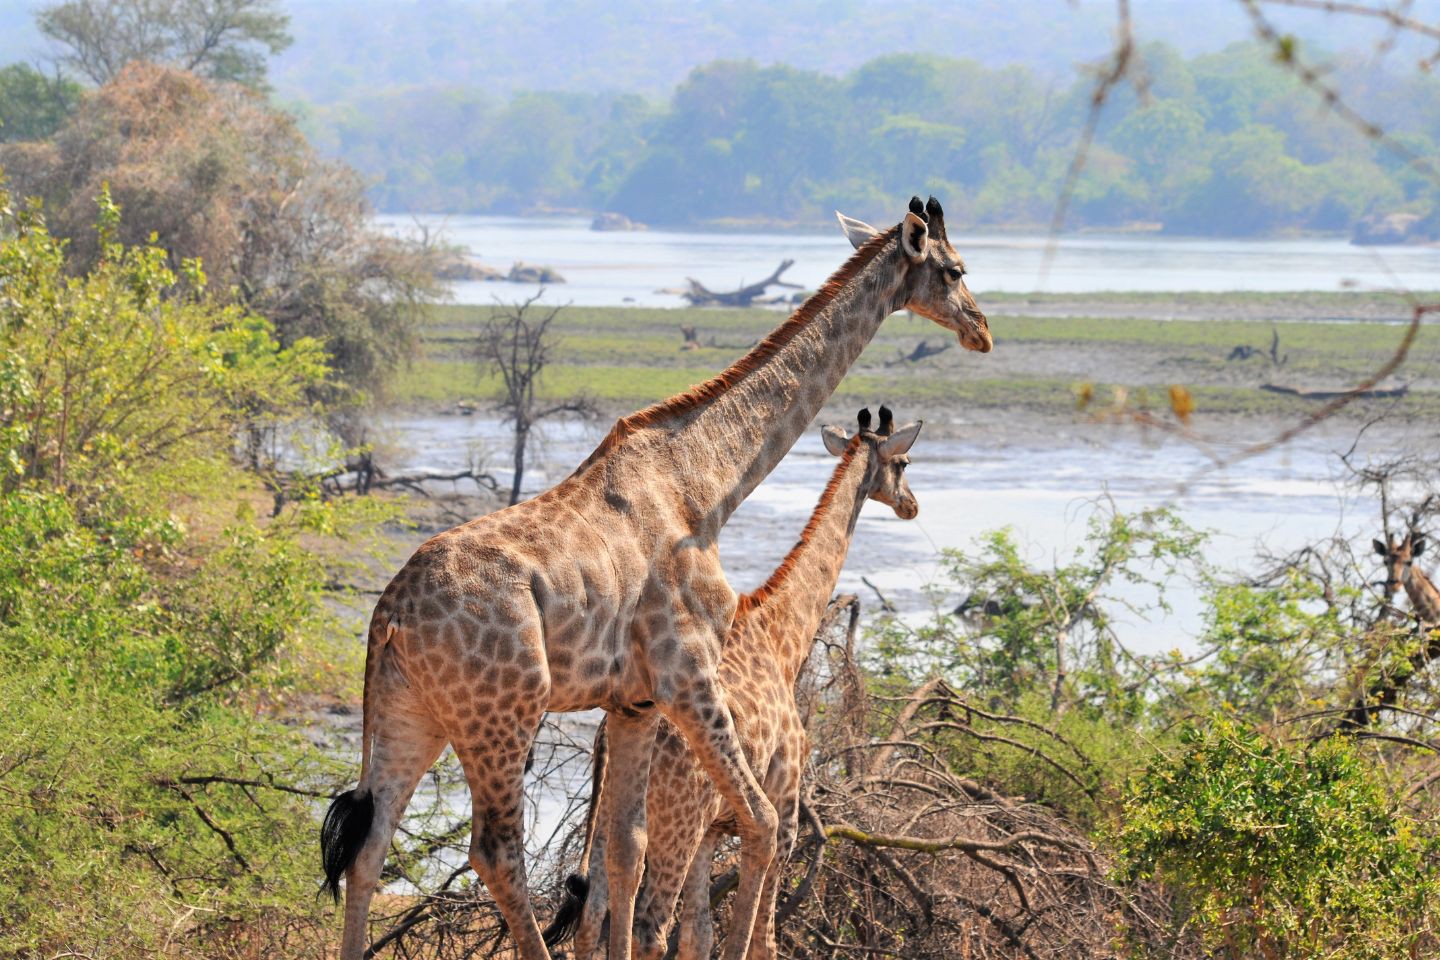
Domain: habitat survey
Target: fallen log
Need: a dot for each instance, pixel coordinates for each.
(700, 295)
(922, 350)
(1380, 393)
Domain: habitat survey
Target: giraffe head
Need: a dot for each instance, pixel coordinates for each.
(889, 453)
(1398, 557)
(932, 281)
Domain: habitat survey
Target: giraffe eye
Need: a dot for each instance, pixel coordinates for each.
(954, 273)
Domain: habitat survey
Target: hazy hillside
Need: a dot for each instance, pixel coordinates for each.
(19, 40)
(346, 49)
(342, 49)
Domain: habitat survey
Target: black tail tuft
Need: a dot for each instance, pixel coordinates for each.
(567, 918)
(347, 824)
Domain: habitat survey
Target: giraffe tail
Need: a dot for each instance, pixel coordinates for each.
(567, 918)
(347, 822)
(577, 885)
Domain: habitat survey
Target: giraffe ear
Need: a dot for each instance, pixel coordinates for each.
(1417, 546)
(914, 237)
(1380, 548)
(856, 231)
(835, 439)
(900, 440)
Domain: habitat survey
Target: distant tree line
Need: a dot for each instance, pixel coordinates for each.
(1227, 143)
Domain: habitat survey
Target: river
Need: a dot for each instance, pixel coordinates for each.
(1045, 493)
(616, 268)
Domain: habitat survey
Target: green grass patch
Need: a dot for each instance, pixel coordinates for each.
(626, 357)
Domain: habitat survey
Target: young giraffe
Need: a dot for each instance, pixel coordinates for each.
(764, 651)
(607, 591)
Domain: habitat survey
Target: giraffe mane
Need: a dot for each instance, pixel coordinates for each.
(720, 383)
(758, 596)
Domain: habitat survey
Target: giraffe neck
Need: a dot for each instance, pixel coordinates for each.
(711, 446)
(788, 607)
(1423, 595)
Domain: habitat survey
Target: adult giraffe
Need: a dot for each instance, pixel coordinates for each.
(607, 591)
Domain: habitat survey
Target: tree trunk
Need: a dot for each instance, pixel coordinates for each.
(522, 435)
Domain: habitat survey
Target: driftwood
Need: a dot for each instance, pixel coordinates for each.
(1375, 394)
(359, 476)
(700, 295)
(921, 351)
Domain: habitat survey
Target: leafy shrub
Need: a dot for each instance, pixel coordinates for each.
(1278, 850)
(140, 787)
(210, 171)
(125, 377)
(148, 621)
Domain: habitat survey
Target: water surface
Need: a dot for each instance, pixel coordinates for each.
(612, 269)
(1046, 493)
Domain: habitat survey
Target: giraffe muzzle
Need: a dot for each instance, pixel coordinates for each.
(974, 333)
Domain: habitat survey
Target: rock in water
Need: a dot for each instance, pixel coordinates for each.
(459, 265)
(521, 272)
(1393, 228)
(610, 220)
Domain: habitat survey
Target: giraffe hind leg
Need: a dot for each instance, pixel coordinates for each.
(583, 910)
(697, 925)
(494, 768)
(590, 925)
(405, 744)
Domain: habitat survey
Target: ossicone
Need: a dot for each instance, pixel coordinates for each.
(935, 215)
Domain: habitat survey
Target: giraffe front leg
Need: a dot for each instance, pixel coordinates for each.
(630, 740)
(701, 713)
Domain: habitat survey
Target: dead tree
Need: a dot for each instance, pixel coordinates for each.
(516, 346)
(1245, 352)
(691, 338)
(700, 295)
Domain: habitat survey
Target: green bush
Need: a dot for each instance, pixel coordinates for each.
(141, 783)
(1280, 850)
(127, 378)
(150, 802)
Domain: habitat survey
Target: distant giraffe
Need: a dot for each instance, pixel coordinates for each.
(1400, 571)
(607, 591)
(764, 651)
